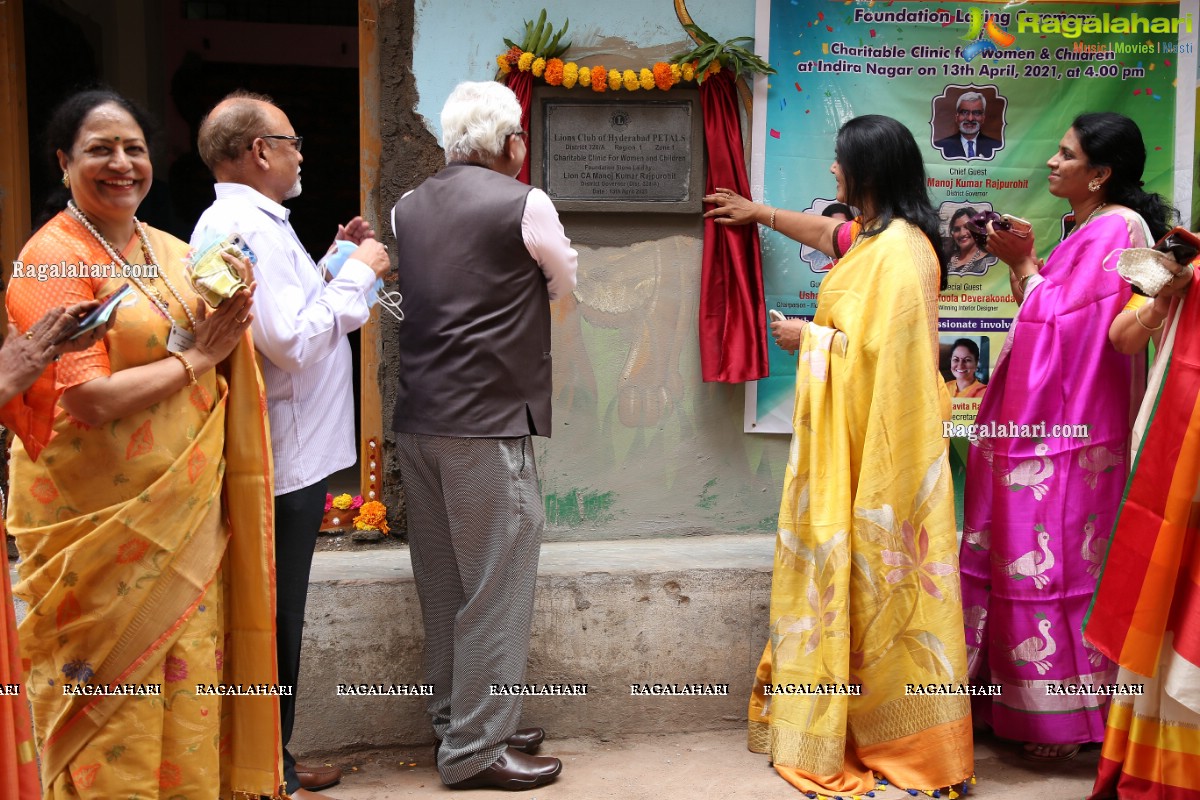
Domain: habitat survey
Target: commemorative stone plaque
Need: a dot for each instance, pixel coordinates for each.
(638, 155)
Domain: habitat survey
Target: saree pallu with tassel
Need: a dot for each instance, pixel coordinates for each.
(1146, 612)
(147, 559)
(865, 599)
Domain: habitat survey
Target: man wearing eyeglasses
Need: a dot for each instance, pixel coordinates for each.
(300, 324)
(970, 142)
(480, 257)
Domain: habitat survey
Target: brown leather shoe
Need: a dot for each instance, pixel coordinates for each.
(527, 740)
(318, 777)
(514, 771)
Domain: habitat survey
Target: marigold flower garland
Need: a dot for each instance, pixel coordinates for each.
(568, 74)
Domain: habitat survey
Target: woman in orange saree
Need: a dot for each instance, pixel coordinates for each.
(22, 360)
(1144, 613)
(145, 524)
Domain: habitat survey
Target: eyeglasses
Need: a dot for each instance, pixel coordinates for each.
(299, 140)
(970, 112)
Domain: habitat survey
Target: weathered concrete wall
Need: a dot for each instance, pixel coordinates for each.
(607, 614)
(640, 447)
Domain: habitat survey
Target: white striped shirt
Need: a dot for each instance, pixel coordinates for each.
(299, 328)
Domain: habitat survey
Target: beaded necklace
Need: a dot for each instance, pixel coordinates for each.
(151, 261)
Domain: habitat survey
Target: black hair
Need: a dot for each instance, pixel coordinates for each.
(967, 343)
(1113, 140)
(837, 208)
(965, 211)
(882, 168)
(63, 128)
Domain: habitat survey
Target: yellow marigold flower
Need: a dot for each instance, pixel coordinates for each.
(630, 79)
(554, 72)
(614, 79)
(342, 502)
(502, 62)
(676, 74)
(570, 74)
(525, 62)
(585, 77)
(372, 517)
(688, 71)
(646, 78)
(539, 66)
(713, 68)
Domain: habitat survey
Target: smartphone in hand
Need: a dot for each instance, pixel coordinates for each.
(100, 315)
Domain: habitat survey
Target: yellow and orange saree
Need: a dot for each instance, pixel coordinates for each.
(147, 555)
(865, 598)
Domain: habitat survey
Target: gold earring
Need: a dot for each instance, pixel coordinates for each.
(66, 180)
(1094, 185)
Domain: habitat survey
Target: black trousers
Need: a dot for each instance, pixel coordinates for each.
(297, 519)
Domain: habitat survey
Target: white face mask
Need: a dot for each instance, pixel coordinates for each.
(389, 300)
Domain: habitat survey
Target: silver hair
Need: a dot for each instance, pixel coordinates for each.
(966, 96)
(477, 119)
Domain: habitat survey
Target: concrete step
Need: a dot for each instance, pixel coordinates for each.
(707, 765)
(608, 615)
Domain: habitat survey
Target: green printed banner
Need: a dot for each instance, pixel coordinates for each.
(988, 90)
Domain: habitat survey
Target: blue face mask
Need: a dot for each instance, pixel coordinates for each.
(332, 264)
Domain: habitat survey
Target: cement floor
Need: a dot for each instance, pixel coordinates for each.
(713, 765)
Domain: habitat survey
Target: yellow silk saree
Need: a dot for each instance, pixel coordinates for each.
(147, 559)
(865, 601)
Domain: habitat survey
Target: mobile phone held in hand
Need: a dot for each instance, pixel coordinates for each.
(776, 316)
(101, 313)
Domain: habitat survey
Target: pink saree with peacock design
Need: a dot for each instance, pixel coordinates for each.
(1041, 502)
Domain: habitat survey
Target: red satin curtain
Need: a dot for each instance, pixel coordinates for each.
(733, 333)
(521, 84)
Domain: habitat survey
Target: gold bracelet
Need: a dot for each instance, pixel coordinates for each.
(191, 374)
(1137, 314)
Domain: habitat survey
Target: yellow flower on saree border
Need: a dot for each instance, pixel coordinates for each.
(629, 79)
(570, 74)
(539, 66)
(912, 560)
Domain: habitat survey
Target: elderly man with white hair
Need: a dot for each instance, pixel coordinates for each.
(481, 255)
(969, 142)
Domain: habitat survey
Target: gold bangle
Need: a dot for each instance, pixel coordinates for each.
(1137, 314)
(773, 210)
(191, 374)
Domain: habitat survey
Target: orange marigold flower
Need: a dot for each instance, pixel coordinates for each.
(372, 517)
(662, 75)
(599, 78)
(513, 55)
(570, 74)
(525, 62)
(554, 72)
(585, 77)
(539, 66)
(502, 63)
(646, 79)
(629, 79)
